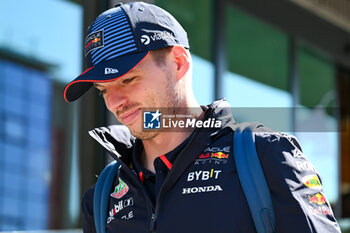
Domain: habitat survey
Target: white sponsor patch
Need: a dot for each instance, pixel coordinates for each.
(110, 70)
(118, 207)
(305, 166)
(129, 215)
(204, 189)
(145, 39)
(203, 175)
(210, 161)
(218, 149)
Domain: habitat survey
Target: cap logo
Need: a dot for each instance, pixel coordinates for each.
(94, 41)
(161, 35)
(110, 70)
(145, 39)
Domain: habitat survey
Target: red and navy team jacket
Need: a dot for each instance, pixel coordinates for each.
(202, 192)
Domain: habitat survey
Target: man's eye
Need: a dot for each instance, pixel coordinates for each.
(128, 80)
(101, 92)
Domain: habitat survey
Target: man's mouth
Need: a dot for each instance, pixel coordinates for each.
(129, 117)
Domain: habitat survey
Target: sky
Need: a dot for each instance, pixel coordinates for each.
(48, 30)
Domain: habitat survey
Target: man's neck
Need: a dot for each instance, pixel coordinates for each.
(163, 143)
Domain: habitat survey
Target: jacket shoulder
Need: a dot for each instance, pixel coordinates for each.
(293, 182)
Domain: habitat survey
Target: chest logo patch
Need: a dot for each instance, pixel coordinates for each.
(312, 182)
(219, 155)
(318, 199)
(203, 189)
(120, 190)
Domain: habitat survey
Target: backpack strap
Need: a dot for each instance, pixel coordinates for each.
(252, 178)
(101, 195)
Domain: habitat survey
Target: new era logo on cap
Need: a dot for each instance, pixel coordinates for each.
(110, 71)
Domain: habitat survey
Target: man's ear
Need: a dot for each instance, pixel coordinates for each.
(182, 61)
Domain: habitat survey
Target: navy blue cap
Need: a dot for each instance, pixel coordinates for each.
(120, 38)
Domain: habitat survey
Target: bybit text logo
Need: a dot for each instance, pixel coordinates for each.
(203, 175)
(151, 120)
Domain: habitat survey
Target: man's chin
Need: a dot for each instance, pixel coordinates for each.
(143, 135)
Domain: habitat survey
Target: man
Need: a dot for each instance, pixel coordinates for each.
(184, 180)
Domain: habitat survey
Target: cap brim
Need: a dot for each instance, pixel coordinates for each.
(103, 72)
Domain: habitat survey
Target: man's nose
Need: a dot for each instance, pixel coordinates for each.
(115, 100)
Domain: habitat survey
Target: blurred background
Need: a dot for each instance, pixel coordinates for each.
(285, 63)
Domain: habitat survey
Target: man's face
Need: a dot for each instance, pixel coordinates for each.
(147, 85)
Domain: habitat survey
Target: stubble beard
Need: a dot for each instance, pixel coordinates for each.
(172, 99)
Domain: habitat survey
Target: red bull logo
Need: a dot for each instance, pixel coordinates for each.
(204, 156)
(318, 199)
(312, 182)
(213, 155)
(320, 210)
(219, 155)
(92, 41)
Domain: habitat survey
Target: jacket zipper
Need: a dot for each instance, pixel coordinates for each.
(155, 213)
(152, 226)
